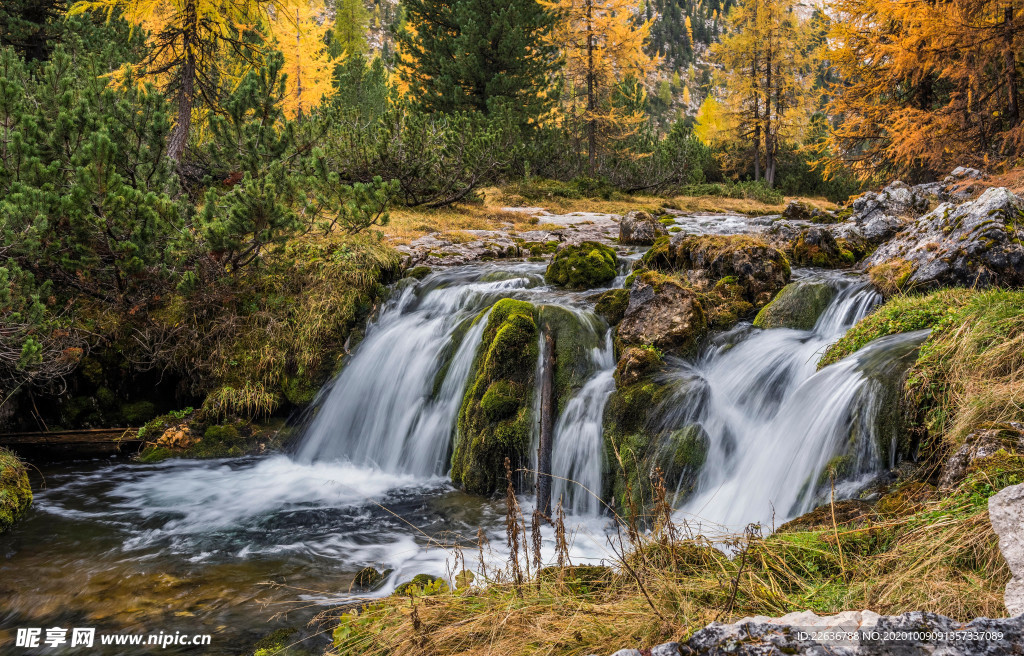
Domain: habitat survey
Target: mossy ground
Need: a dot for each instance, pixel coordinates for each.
(495, 420)
(210, 437)
(15, 490)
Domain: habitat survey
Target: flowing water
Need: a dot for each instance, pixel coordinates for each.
(239, 547)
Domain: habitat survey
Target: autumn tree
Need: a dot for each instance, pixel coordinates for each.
(308, 66)
(601, 45)
(767, 65)
(188, 42)
(478, 55)
(350, 23)
(925, 86)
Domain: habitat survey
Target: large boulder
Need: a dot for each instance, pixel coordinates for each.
(798, 306)
(663, 312)
(817, 247)
(978, 243)
(640, 228)
(495, 420)
(1006, 512)
(756, 268)
(582, 266)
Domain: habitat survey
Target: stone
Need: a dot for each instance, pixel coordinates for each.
(1006, 512)
(628, 652)
(639, 228)
(662, 312)
(817, 247)
(797, 306)
(666, 649)
(582, 266)
(979, 243)
(978, 445)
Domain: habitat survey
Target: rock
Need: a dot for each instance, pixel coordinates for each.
(663, 313)
(975, 244)
(611, 305)
(963, 173)
(582, 266)
(628, 652)
(1006, 512)
(845, 511)
(797, 306)
(666, 649)
(495, 420)
(635, 363)
(818, 248)
(369, 578)
(978, 446)
(422, 584)
(15, 490)
(640, 228)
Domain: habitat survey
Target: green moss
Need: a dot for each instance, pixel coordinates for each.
(797, 306)
(230, 439)
(138, 413)
(15, 490)
(499, 427)
(280, 643)
(421, 585)
(682, 456)
(419, 272)
(611, 305)
(583, 266)
(826, 254)
(892, 277)
(575, 336)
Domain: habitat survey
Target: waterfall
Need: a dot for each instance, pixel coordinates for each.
(382, 410)
(579, 437)
(772, 423)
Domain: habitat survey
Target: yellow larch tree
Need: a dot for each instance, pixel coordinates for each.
(299, 35)
(602, 45)
(188, 42)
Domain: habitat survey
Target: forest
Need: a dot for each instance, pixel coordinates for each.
(492, 279)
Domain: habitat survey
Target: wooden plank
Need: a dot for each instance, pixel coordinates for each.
(110, 436)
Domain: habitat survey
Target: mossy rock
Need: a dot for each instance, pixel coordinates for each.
(421, 585)
(15, 490)
(611, 305)
(817, 247)
(906, 499)
(578, 579)
(683, 455)
(495, 419)
(575, 335)
(583, 266)
(636, 363)
(419, 272)
(281, 642)
(231, 438)
(369, 578)
(845, 512)
(892, 277)
(797, 306)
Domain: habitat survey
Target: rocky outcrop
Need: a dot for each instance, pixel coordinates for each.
(978, 243)
(582, 266)
(817, 247)
(852, 633)
(979, 446)
(662, 312)
(1006, 512)
(797, 306)
(639, 228)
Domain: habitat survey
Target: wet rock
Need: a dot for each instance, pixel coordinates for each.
(582, 266)
(978, 243)
(817, 247)
(662, 312)
(1006, 512)
(640, 228)
(15, 490)
(611, 305)
(797, 306)
(369, 578)
(635, 363)
(978, 446)
(421, 584)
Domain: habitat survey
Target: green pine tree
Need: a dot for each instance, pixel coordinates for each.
(351, 20)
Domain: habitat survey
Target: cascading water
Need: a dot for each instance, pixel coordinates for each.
(772, 423)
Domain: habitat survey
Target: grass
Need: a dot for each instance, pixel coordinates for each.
(939, 555)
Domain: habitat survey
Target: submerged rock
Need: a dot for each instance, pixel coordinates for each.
(495, 420)
(798, 306)
(582, 266)
(979, 243)
(640, 228)
(1006, 512)
(15, 490)
(663, 313)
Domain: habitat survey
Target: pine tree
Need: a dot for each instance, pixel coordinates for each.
(351, 20)
(476, 55)
(188, 42)
(601, 45)
(307, 63)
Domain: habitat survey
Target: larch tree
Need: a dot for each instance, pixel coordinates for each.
(766, 79)
(351, 20)
(925, 86)
(602, 43)
(188, 42)
(477, 55)
(308, 65)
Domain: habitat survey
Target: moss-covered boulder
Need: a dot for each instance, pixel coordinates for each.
(662, 312)
(636, 363)
(495, 419)
(798, 306)
(15, 490)
(611, 305)
(575, 334)
(640, 228)
(582, 266)
(756, 270)
(817, 247)
(682, 455)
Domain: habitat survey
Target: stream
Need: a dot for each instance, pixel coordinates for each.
(239, 547)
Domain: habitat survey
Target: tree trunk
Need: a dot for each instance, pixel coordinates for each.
(186, 94)
(591, 101)
(770, 134)
(547, 425)
(1010, 64)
